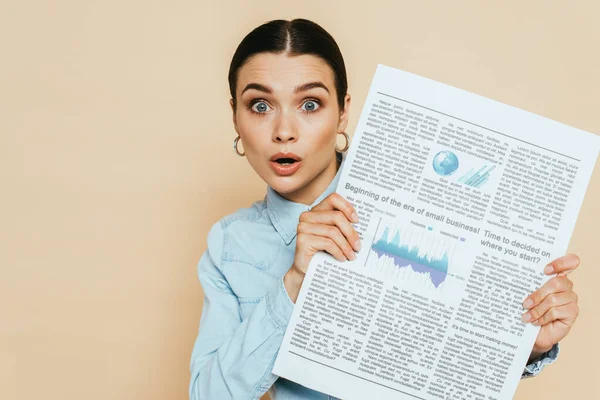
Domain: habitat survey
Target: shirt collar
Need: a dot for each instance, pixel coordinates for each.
(284, 214)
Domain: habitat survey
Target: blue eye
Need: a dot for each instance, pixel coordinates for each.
(260, 107)
(310, 106)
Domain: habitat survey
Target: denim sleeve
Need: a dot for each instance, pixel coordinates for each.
(231, 358)
(536, 367)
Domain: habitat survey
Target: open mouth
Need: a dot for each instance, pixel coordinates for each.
(285, 161)
(285, 164)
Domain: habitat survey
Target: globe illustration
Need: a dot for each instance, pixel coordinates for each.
(445, 163)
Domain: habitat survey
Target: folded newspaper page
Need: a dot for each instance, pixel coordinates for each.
(462, 202)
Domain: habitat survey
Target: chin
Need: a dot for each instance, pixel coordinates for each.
(285, 185)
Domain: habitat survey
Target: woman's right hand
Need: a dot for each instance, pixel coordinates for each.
(327, 226)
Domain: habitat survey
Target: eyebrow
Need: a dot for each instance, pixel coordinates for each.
(310, 85)
(300, 88)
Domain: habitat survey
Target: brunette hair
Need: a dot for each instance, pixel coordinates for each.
(295, 37)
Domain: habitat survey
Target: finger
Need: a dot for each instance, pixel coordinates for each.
(552, 300)
(563, 265)
(318, 243)
(554, 285)
(336, 202)
(329, 231)
(328, 245)
(335, 218)
(566, 313)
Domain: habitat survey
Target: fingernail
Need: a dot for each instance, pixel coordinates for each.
(352, 256)
(549, 269)
(354, 217)
(526, 317)
(357, 245)
(528, 303)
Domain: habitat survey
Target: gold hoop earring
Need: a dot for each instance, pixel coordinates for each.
(235, 147)
(347, 143)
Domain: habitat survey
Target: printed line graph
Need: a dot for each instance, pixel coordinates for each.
(412, 253)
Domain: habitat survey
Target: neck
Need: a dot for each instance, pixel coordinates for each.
(312, 190)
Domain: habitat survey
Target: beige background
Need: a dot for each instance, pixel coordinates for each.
(116, 158)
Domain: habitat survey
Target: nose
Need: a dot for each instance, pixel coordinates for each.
(285, 129)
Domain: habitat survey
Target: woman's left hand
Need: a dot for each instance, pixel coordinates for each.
(553, 306)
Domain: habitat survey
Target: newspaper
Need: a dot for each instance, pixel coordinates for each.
(462, 202)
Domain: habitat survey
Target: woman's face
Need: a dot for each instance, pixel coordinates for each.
(288, 118)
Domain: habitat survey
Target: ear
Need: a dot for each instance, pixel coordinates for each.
(344, 114)
(233, 116)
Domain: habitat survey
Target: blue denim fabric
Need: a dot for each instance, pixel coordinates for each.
(246, 307)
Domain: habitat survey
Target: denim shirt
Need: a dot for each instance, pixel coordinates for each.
(247, 308)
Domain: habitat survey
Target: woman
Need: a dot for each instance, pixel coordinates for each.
(290, 104)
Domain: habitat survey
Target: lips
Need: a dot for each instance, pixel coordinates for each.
(284, 164)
